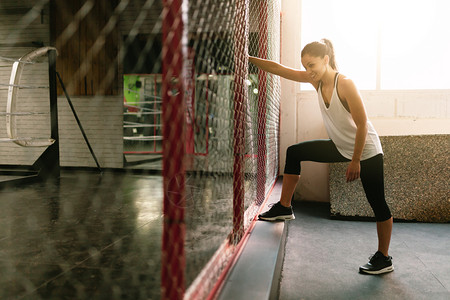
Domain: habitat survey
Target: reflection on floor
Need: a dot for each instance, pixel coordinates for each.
(88, 236)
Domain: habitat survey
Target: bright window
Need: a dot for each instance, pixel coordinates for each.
(384, 44)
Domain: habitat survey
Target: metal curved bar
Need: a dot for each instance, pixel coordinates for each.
(11, 60)
(14, 84)
(30, 142)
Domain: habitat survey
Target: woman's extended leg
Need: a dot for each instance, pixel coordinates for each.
(316, 150)
(372, 178)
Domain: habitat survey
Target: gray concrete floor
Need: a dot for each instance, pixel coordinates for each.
(323, 256)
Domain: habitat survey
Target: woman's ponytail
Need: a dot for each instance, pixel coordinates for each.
(330, 53)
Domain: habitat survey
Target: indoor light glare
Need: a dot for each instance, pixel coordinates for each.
(381, 44)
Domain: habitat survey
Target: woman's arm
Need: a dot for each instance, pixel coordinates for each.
(280, 70)
(351, 95)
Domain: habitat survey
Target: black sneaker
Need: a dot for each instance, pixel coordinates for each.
(378, 264)
(277, 212)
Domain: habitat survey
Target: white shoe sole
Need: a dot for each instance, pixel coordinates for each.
(281, 218)
(384, 270)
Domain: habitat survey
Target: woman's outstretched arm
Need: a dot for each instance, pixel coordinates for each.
(280, 70)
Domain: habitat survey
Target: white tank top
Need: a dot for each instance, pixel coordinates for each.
(342, 129)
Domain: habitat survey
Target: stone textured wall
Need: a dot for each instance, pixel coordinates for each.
(417, 181)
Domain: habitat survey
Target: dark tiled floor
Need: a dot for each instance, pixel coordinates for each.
(88, 237)
(322, 259)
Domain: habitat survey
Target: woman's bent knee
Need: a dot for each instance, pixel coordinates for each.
(292, 165)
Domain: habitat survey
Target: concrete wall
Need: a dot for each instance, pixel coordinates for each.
(411, 112)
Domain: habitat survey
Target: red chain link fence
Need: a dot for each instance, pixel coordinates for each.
(215, 184)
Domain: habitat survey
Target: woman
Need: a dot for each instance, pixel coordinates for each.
(353, 139)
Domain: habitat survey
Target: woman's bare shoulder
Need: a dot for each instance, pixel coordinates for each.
(346, 84)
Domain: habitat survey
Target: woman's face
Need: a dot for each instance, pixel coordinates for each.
(315, 66)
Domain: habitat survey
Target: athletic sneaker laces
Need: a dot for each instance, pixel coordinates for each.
(277, 212)
(378, 264)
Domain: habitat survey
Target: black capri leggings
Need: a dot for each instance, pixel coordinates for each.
(372, 174)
